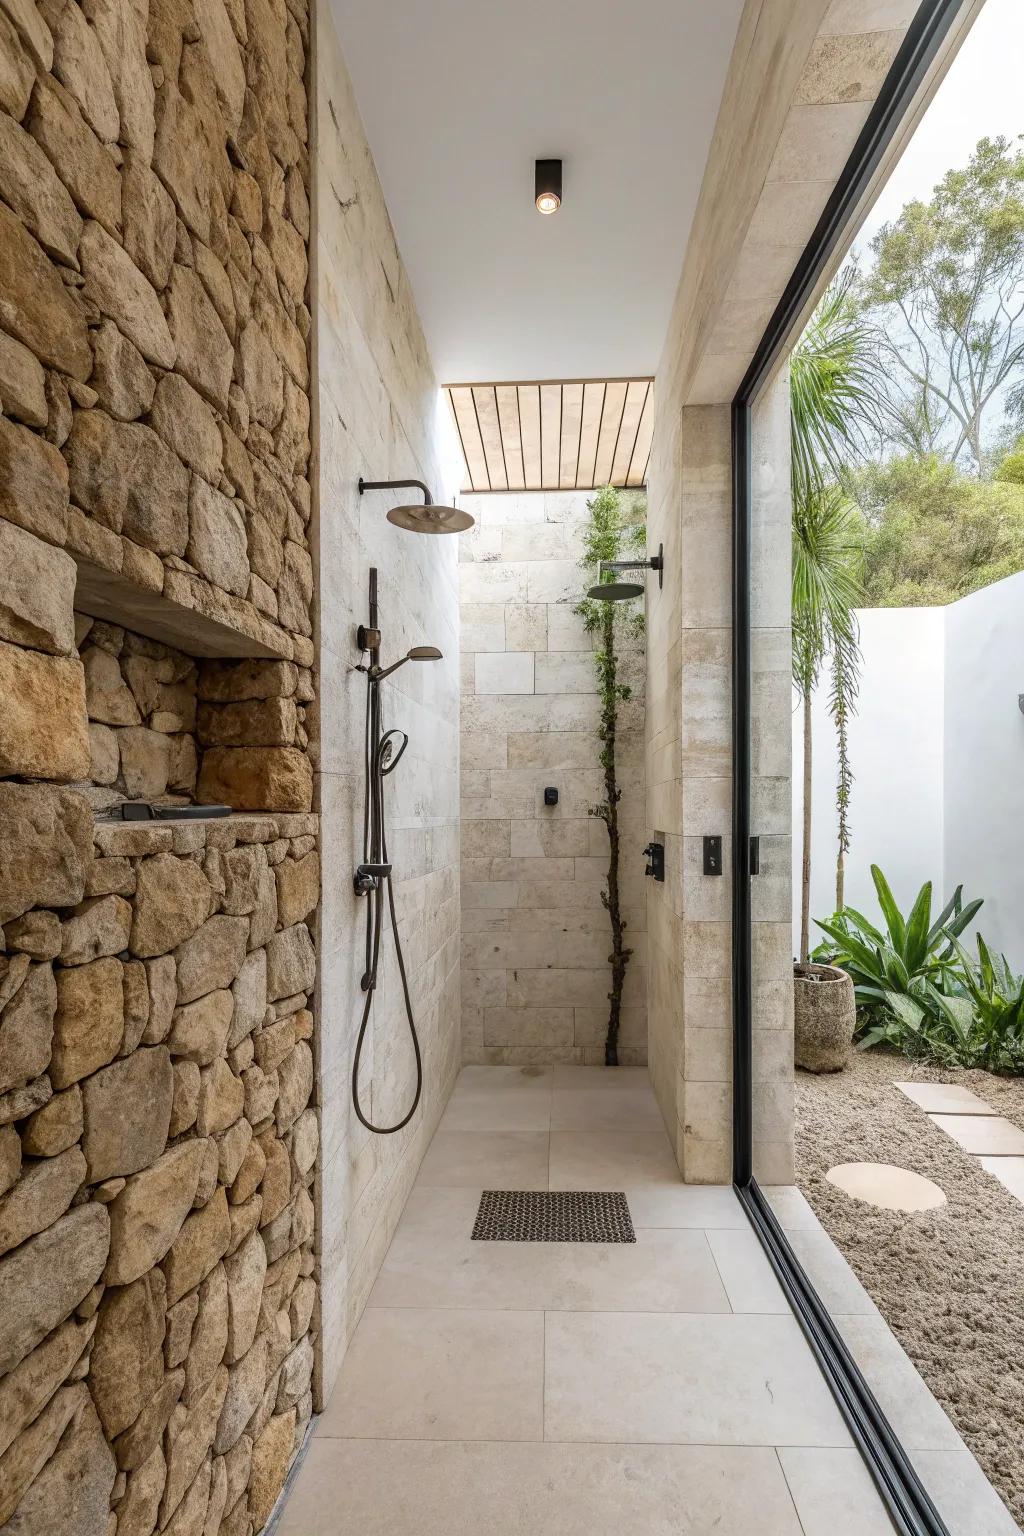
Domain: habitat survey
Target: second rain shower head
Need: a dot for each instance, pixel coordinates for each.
(622, 591)
(427, 517)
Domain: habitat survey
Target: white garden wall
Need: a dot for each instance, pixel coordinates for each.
(937, 750)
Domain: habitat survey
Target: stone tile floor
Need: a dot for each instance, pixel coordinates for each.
(545, 1389)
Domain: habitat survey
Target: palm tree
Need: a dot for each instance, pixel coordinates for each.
(830, 389)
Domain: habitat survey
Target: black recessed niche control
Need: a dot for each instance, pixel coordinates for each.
(712, 855)
(550, 795)
(655, 854)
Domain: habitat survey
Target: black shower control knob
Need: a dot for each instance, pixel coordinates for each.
(550, 795)
(655, 852)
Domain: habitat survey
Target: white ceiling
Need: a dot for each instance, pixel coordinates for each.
(459, 97)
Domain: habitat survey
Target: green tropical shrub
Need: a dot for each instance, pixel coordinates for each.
(987, 1020)
(893, 971)
(918, 989)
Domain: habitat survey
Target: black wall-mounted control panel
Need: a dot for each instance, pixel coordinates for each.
(712, 855)
(655, 854)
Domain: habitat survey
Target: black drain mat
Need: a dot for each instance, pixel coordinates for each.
(553, 1216)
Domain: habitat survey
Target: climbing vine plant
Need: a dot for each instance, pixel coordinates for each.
(614, 530)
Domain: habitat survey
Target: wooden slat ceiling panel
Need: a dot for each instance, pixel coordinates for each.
(550, 435)
(529, 426)
(636, 394)
(485, 400)
(572, 422)
(511, 434)
(573, 434)
(608, 436)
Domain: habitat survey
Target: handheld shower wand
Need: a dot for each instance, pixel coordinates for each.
(382, 753)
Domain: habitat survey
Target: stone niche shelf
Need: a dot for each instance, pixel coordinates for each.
(142, 839)
(197, 619)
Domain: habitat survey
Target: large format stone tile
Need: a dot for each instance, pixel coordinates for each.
(685, 1205)
(992, 1134)
(598, 1109)
(413, 1374)
(833, 1493)
(791, 1208)
(1009, 1171)
(572, 1079)
(903, 1397)
(746, 1273)
(487, 1159)
(598, 1159)
(830, 1274)
(499, 1080)
(478, 1109)
(731, 1380)
(945, 1098)
(412, 1489)
(963, 1494)
(436, 1264)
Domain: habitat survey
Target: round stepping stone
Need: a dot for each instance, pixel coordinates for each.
(887, 1187)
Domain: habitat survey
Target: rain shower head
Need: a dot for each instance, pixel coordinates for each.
(622, 591)
(616, 591)
(424, 653)
(425, 518)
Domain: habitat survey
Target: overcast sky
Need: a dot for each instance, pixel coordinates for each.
(981, 96)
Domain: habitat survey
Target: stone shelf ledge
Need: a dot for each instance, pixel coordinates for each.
(189, 614)
(138, 839)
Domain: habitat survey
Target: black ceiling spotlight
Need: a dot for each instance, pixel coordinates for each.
(547, 184)
(622, 591)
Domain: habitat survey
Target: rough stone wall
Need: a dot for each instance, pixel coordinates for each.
(157, 1141)
(535, 936)
(154, 378)
(141, 701)
(159, 721)
(157, 1146)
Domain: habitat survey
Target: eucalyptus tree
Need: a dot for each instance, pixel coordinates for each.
(945, 298)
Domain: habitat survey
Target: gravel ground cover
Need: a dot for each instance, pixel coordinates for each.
(949, 1282)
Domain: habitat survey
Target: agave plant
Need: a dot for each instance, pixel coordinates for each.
(903, 976)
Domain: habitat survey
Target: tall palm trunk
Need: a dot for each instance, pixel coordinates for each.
(805, 872)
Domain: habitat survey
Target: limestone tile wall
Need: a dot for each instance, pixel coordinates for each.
(689, 757)
(771, 797)
(535, 937)
(154, 378)
(689, 745)
(380, 417)
(156, 1148)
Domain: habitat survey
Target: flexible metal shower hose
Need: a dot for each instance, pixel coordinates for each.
(380, 759)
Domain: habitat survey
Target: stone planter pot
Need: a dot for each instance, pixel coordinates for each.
(825, 1016)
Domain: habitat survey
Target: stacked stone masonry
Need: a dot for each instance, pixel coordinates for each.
(166, 728)
(158, 1145)
(157, 1151)
(154, 373)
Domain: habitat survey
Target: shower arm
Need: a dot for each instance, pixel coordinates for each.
(649, 563)
(397, 485)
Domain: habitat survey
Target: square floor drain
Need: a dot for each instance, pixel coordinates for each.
(553, 1216)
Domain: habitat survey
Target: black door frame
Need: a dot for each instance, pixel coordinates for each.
(907, 1501)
